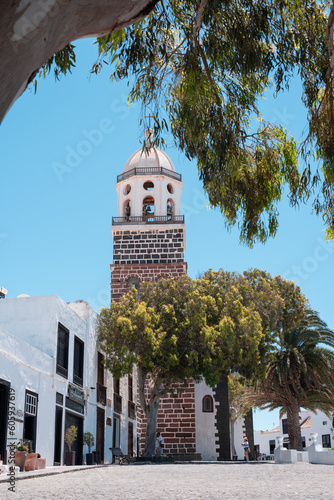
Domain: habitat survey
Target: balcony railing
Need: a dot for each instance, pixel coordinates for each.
(61, 370)
(148, 219)
(77, 380)
(117, 403)
(132, 410)
(148, 171)
(101, 394)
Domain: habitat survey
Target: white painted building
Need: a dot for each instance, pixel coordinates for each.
(51, 363)
(206, 406)
(205, 416)
(310, 423)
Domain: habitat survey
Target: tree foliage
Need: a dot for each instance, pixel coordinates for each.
(239, 405)
(204, 66)
(253, 306)
(301, 375)
(238, 389)
(208, 63)
(180, 329)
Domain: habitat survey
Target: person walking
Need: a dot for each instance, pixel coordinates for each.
(159, 444)
(245, 444)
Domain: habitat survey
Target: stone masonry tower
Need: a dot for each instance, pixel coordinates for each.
(149, 243)
(149, 231)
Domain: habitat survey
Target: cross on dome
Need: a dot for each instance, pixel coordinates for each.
(149, 134)
(150, 156)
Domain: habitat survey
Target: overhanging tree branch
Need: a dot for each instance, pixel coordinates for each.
(329, 39)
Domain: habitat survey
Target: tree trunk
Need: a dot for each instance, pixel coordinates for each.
(329, 40)
(295, 436)
(151, 428)
(31, 31)
(150, 408)
(250, 433)
(232, 422)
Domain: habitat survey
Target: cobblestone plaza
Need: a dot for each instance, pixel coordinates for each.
(211, 481)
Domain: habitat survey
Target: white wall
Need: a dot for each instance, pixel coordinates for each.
(238, 437)
(32, 319)
(27, 368)
(159, 193)
(28, 352)
(205, 424)
(206, 427)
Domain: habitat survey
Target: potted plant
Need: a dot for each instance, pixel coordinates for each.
(21, 454)
(70, 437)
(31, 461)
(88, 439)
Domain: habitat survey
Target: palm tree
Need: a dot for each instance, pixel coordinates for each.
(301, 374)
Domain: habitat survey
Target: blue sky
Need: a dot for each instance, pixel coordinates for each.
(61, 151)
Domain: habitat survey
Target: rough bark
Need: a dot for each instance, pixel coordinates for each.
(150, 408)
(232, 423)
(295, 436)
(329, 40)
(151, 427)
(31, 31)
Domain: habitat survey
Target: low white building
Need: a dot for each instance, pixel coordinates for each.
(52, 369)
(309, 422)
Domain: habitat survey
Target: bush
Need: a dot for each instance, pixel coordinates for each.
(70, 436)
(88, 439)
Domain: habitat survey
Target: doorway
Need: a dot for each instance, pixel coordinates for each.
(58, 429)
(130, 439)
(4, 395)
(116, 432)
(30, 420)
(77, 421)
(100, 433)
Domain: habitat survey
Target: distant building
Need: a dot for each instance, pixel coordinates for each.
(309, 423)
(50, 362)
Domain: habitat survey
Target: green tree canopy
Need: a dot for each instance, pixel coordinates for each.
(181, 329)
(162, 333)
(206, 65)
(301, 375)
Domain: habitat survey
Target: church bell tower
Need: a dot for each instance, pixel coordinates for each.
(149, 231)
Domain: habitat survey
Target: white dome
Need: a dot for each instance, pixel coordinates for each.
(154, 157)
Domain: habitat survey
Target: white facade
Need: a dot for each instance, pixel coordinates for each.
(205, 424)
(206, 429)
(149, 190)
(310, 423)
(29, 370)
(149, 173)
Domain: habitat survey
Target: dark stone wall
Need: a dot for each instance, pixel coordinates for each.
(222, 421)
(249, 432)
(120, 274)
(176, 422)
(155, 246)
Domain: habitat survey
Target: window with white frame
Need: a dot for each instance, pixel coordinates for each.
(31, 405)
